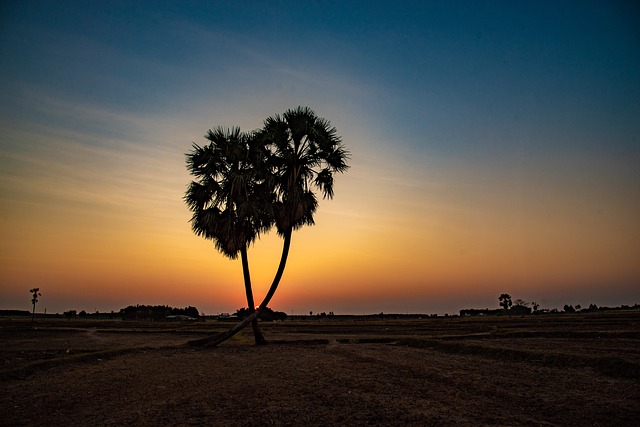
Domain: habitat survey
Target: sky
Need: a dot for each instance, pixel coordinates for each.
(494, 149)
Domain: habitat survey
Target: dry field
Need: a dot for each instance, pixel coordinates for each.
(548, 370)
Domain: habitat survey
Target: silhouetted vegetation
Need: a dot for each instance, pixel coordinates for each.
(248, 183)
(34, 300)
(157, 313)
(505, 302)
(266, 315)
(520, 308)
(14, 313)
(230, 197)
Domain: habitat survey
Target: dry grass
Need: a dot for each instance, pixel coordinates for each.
(563, 370)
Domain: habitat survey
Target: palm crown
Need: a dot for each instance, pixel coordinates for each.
(230, 199)
(305, 152)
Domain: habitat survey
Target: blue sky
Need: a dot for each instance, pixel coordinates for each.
(506, 131)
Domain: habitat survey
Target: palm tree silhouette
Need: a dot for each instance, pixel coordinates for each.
(304, 152)
(505, 302)
(230, 197)
(34, 300)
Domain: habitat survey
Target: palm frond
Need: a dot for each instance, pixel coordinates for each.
(305, 151)
(324, 181)
(196, 196)
(248, 181)
(232, 190)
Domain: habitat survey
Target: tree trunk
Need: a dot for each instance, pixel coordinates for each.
(247, 288)
(223, 336)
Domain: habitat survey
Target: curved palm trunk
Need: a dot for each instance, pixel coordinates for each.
(223, 336)
(249, 292)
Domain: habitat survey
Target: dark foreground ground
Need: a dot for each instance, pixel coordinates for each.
(566, 370)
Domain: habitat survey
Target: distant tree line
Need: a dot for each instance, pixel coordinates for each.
(592, 308)
(156, 313)
(267, 315)
(520, 308)
(509, 307)
(14, 313)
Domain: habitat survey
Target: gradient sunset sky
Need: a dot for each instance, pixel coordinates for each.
(495, 148)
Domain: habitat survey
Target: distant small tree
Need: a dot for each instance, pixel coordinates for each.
(187, 311)
(270, 315)
(242, 313)
(520, 307)
(569, 309)
(535, 306)
(34, 301)
(578, 307)
(505, 302)
(70, 314)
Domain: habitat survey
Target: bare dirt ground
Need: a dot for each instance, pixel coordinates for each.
(563, 370)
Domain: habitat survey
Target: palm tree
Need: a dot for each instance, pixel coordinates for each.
(505, 302)
(304, 154)
(230, 198)
(34, 301)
